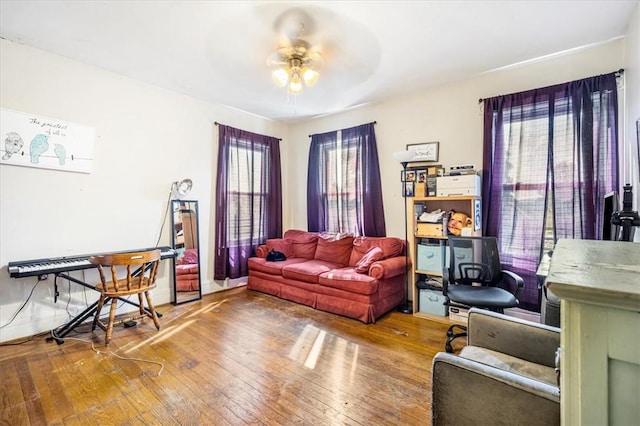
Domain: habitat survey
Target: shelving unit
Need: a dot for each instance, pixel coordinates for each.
(183, 228)
(470, 205)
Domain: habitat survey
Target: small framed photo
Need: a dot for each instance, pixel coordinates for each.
(421, 176)
(408, 176)
(427, 151)
(409, 189)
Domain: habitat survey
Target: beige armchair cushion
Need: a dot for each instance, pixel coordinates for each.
(510, 364)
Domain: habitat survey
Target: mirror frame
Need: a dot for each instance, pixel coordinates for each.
(178, 207)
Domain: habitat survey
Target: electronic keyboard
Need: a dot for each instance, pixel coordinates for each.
(54, 265)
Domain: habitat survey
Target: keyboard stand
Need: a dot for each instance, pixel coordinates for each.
(59, 333)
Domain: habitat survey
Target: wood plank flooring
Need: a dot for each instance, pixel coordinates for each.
(233, 358)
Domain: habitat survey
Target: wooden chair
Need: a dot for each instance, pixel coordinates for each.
(131, 273)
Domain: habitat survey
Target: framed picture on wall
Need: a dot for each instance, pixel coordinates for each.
(427, 151)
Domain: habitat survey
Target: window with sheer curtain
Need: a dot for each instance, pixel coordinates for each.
(343, 187)
(550, 156)
(248, 198)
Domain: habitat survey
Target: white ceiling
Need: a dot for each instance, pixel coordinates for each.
(216, 50)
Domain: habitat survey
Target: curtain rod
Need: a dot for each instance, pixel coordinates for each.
(373, 122)
(220, 124)
(618, 74)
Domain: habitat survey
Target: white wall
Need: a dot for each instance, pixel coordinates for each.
(449, 114)
(146, 138)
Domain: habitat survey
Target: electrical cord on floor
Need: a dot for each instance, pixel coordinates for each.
(21, 307)
(111, 352)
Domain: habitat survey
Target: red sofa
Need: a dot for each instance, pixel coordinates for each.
(187, 271)
(361, 277)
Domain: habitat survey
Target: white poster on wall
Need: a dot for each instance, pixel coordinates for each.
(35, 141)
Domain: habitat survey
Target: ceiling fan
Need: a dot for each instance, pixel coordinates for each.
(295, 60)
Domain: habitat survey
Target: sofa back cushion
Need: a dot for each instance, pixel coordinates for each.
(303, 243)
(391, 247)
(283, 245)
(336, 250)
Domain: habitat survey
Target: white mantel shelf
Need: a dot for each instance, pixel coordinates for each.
(598, 283)
(600, 272)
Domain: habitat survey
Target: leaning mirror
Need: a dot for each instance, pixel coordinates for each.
(186, 271)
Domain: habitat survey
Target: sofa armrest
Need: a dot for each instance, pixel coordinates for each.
(388, 268)
(464, 391)
(520, 338)
(262, 250)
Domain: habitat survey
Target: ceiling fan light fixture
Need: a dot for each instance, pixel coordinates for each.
(295, 85)
(310, 77)
(294, 65)
(280, 77)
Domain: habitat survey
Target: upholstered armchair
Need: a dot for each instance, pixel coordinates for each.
(505, 375)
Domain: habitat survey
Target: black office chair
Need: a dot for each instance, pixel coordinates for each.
(474, 278)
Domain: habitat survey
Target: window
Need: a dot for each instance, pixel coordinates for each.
(246, 195)
(550, 156)
(343, 190)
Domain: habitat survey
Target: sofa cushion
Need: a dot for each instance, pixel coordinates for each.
(348, 279)
(308, 271)
(391, 247)
(374, 254)
(272, 268)
(334, 250)
(283, 245)
(303, 243)
(511, 364)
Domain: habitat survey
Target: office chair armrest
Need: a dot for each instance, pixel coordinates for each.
(464, 391)
(445, 282)
(513, 336)
(517, 279)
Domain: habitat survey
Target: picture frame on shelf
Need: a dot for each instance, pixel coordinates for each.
(408, 176)
(477, 215)
(409, 189)
(428, 151)
(421, 176)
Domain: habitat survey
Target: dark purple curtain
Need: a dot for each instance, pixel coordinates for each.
(248, 198)
(343, 184)
(321, 180)
(550, 156)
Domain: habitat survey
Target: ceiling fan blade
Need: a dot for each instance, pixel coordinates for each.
(294, 23)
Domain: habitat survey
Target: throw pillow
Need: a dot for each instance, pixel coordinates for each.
(190, 256)
(373, 255)
(391, 247)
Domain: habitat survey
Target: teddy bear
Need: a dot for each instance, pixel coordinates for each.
(457, 221)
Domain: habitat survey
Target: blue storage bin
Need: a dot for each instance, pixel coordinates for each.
(432, 302)
(430, 258)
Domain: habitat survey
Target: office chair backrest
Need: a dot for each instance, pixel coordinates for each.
(474, 260)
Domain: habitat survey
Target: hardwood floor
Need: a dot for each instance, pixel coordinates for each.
(233, 358)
